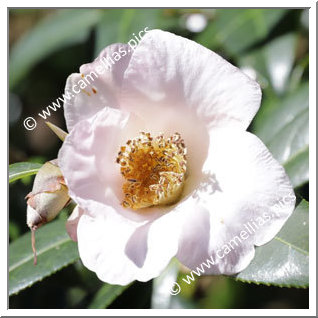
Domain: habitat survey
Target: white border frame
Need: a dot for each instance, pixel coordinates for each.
(312, 162)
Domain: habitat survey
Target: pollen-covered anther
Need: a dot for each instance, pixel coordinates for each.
(154, 170)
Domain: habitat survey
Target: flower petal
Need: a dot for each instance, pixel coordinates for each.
(72, 222)
(87, 160)
(97, 86)
(120, 250)
(244, 189)
(167, 72)
(88, 154)
(87, 157)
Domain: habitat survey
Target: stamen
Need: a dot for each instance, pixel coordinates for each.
(154, 170)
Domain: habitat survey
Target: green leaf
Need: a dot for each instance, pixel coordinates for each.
(279, 59)
(123, 25)
(291, 138)
(274, 61)
(67, 27)
(283, 125)
(161, 296)
(284, 261)
(106, 295)
(235, 30)
(22, 169)
(107, 29)
(297, 167)
(55, 250)
(274, 114)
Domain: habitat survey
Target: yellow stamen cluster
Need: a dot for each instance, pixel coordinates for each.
(154, 170)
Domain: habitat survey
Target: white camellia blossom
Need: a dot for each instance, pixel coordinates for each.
(160, 164)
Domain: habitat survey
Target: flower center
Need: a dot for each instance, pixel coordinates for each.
(154, 170)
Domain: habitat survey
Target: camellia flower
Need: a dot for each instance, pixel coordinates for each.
(160, 164)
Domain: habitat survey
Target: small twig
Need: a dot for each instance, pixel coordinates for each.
(33, 245)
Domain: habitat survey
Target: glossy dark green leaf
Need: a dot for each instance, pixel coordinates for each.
(279, 58)
(284, 261)
(22, 169)
(297, 167)
(274, 61)
(236, 29)
(65, 28)
(55, 250)
(291, 138)
(283, 125)
(106, 295)
(274, 114)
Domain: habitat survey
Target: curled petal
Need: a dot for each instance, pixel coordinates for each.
(72, 222)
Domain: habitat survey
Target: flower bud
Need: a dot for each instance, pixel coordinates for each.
(48, 197)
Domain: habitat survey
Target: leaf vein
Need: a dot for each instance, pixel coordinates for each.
(292, 246)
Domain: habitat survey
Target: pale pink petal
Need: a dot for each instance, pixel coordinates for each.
(98, 84)
(120, 250)
(200, 244)
(87, 156)
(168, 73)
(87, 160)
(243, 188)
(72, 222)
